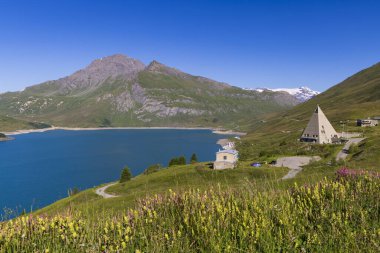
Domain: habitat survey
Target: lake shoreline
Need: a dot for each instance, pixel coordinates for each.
(214, 130)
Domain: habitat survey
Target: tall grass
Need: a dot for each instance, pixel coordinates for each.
(341, 215)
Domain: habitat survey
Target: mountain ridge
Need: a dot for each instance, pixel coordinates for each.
(122, 91)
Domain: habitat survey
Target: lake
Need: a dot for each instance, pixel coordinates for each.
(37, 169)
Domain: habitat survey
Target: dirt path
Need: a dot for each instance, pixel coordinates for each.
(342, 155)
(102, 191)
(295, 163)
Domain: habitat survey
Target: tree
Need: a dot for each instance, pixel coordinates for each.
(182, 160)
(193, 158)
(125, 175)
(173, 161)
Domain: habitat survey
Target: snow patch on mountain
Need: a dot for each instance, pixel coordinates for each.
(302, 93)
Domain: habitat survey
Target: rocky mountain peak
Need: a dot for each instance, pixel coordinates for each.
(115, 66)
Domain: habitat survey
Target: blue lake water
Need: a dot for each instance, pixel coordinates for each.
(37, 169)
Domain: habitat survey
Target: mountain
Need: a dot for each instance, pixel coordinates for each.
(122, 91)
(302, 93)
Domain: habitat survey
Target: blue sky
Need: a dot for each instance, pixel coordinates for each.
(244, 43)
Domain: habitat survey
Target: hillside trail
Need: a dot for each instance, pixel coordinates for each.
(102, 191)
(295, 163)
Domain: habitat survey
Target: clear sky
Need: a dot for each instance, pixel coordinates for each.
(245, 43)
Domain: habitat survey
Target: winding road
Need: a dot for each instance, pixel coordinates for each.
(102, 191)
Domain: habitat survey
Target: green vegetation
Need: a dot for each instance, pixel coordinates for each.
(331, 216)
(193, 158)
(178, 178)
(11, 124)
(152, 169)
(125, 175)
(73, 191)
(277, 135)
(177, 161)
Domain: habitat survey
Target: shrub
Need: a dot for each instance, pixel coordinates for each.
(73, 191)
(125, 175)
(151, 169)
(2, 135)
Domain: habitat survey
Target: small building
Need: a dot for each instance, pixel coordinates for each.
(319, 129)
(367, 122)
(226, 159)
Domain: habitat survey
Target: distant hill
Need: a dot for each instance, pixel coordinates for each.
(121, 91)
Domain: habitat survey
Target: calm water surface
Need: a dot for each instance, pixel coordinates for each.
(37, 169)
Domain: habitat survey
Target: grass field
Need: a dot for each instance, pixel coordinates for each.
(177, 178)
(335, 215)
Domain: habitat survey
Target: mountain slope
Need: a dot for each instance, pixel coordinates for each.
(121, 91)
(10, 124)
(356, 97)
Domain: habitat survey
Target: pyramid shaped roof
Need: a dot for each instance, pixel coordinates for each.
(319, 128)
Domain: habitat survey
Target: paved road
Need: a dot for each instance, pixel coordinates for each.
(101, 191)
(342, 155)
(294, 163)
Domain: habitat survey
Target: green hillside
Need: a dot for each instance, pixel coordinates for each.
(227, 211)
(177, 178)
(354, 98)
(11, 124)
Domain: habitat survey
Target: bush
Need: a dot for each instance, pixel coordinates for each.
(151, 169)
(125, 175)
(73, 191)
(2, 135)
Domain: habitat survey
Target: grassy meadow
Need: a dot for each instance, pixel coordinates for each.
(334, 215)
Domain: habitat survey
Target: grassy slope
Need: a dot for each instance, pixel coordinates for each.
(351, 99)
(10, 124)
(177, 178)
(356, 97)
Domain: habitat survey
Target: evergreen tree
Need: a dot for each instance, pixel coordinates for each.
(125, 175)
(194, 158)
(182, 160)
(173, 161)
